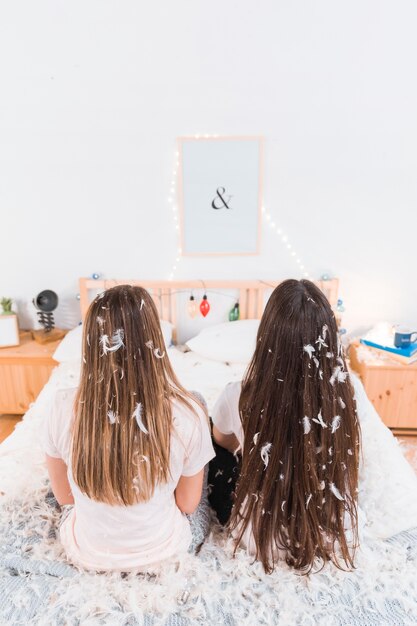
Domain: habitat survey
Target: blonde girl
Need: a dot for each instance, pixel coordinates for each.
(127, 448)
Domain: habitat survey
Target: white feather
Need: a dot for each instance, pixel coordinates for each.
(149, 344)
(338, 374)
(321, 342)
(335, 491)
(336, 423)
(342, 404)
(316, 361)
(308, 500)
(306, 424)
(320, 420)
(322, 485)
(113, 417)
(282, 505)
(114, 343)
(309, 349)
(350, 452)
(265, 450)
(255, 438)
(142, 304)
(137, 415)
(158, 354)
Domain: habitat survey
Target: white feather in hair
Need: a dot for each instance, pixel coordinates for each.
(309, 349)
(338, 374)
(158, 353)
(115, 342)
(306, 424)
(335, 491)
(342, 404)
(255, 438)
(265, 450)
(320, 420)
(137, 415)
(113, 417)
(336, 423)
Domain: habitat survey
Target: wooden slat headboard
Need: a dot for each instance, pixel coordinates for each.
(164, 293)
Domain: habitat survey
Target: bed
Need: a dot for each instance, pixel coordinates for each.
(37, 586)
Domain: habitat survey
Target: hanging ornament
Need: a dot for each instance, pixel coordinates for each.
(95, 276)
(204, 306)
(234, 313)
(325, 277)
(192, 307)
(340, 308)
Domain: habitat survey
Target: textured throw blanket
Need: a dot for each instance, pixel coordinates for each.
(37, 586)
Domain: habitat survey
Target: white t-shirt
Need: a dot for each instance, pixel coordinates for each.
(103, 537)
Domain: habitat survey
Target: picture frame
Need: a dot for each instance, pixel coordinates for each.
(220, 195)
(9, 331)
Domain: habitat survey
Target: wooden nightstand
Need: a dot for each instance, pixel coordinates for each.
(391, 387)
(24, 370)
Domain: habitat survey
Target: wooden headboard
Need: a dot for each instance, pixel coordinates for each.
(251, 293)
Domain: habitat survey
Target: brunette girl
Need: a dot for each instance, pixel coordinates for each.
(129, 446)
(294, 419)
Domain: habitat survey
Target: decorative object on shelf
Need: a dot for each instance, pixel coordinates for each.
(220, 195)
(9, 329)
(46, 302)
(234, 313)
(204, 306)
(192, 307)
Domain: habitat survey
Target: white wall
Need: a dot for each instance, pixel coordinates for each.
(94, 92)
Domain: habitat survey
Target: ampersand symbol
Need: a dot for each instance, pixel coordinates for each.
(220, 191)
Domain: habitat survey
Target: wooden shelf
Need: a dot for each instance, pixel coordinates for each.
(24, 370)
(391, 387)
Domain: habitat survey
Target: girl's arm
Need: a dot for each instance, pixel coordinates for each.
(229, 442)
(57, 471)
(188, 492)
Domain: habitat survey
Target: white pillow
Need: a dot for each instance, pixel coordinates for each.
(70, 347)
(232, 342)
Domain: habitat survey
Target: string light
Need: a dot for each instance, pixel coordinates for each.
(285, 241)
(172, 201)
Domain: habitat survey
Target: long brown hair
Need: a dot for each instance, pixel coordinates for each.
(123, 407)
(299, 476)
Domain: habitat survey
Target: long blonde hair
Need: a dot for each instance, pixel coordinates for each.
(123, 407)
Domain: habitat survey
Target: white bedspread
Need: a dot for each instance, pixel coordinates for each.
(388, 485)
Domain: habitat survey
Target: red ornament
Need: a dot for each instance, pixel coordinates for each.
(204, 306)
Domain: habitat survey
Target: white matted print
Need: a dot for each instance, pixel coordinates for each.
(220, 195)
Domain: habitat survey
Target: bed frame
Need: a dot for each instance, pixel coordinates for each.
(251, 293)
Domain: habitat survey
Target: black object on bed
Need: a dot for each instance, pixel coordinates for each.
(224, 471)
